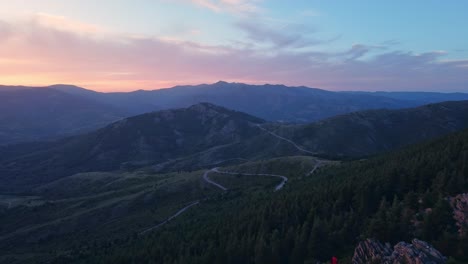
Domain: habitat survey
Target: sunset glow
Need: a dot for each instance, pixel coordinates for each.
(121, 46)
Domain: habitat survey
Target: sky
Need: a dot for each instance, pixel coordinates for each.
(125, 45)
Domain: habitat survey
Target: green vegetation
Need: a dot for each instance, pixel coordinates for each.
(92, 208)
(74, 214)
(126, 145)
(203, 135)
(318, 217)
(375, 131)
(97, 217)
(245, 182)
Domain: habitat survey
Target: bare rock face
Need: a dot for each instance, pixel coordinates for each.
(418, 252)
(371, 251)
(459, 205)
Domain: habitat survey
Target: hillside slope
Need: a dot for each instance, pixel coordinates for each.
(204, 135)
(42, 114)
(393, 198)
(62, 218)
(369, 132)
(134, 142)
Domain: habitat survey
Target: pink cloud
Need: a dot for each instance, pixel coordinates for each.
(62, 51)
(232, 6)
(5, 31)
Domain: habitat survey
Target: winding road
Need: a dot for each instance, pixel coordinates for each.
(207, 179)
(284, 178)
(277, 188)
(317, 165)
(285, 139)
(170, 218)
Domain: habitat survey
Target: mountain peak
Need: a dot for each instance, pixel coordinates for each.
(209, 109)
(72, 89)
(205, 105)
(62, 85)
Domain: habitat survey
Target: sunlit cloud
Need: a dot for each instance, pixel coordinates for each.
(48, 49)
(231, 6)
(65, 24)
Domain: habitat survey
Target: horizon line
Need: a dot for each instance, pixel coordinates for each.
(232, 82)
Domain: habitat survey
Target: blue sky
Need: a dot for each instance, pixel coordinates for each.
(336, 45)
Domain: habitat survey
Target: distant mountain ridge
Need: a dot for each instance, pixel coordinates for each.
(273, 102)
(34, 116)
(270, 102)
(422, 97)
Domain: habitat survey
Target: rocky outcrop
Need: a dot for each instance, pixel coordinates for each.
(459, 205)
(418, 252)
(371, 251)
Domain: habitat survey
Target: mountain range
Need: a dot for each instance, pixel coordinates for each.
(205, 134)
(32, 114)
(43, 113)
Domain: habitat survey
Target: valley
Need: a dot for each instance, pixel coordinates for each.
(91, 197)
(206, 134)
(319, 216)
(128, 202)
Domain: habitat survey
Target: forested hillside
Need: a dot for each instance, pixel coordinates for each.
(133, 142)
(394, 197)
(374, 131)
(204, 134)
